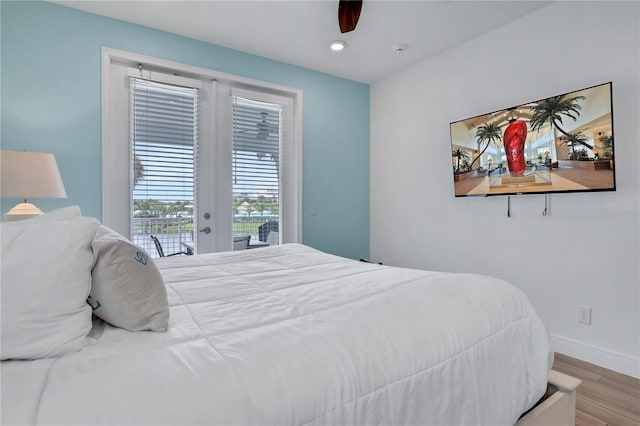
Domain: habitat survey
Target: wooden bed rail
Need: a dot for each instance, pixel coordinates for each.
(559, 405)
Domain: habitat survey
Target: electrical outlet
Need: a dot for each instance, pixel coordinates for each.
(584, 315)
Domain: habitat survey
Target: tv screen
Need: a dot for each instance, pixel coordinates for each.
(563, 143)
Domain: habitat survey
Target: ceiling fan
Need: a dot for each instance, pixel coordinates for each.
(348, 14)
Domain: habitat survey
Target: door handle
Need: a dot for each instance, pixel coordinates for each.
(206, 230)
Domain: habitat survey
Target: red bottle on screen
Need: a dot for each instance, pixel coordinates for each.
(514, 137)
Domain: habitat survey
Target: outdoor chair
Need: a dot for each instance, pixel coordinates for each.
(265, 228)
(273, 239)
(161, 251)
(241, 243)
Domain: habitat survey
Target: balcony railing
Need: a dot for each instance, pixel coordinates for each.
(171, 231)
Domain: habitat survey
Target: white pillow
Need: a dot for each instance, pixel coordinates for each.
(127, 288)
(45, 280)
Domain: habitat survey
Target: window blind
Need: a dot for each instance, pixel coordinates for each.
(257, 139)
(164, 148)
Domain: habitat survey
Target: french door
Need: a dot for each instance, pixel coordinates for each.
(197, 163)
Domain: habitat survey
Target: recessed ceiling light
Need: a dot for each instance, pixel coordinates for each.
(337, 45)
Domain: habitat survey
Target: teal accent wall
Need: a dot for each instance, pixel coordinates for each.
(50, 80)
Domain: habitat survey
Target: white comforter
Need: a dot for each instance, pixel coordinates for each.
(288, 335)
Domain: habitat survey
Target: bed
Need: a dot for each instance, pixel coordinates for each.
(285, 335)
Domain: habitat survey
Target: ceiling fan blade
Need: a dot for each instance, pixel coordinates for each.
(348, 14)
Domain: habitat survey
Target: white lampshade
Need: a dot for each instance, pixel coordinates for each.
(27, 175)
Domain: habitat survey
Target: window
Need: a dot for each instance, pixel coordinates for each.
(164, 141)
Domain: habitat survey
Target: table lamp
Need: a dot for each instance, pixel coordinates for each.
(25, 175)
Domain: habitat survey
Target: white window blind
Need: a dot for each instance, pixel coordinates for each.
(164, 148)
(257, 147)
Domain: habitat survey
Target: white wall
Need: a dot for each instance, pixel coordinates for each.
(586, 252)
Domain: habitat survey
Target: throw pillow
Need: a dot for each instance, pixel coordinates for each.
(127, 289)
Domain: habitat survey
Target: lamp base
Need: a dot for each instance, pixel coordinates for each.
(22, 211)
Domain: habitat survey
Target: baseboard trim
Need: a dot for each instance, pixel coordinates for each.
(615, 361)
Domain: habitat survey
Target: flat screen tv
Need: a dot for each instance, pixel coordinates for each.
(563, 143)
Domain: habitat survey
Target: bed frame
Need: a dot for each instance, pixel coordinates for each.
(558, 406)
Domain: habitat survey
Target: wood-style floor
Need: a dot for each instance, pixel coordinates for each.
(604, 397)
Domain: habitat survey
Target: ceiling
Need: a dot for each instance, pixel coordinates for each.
(299, 32)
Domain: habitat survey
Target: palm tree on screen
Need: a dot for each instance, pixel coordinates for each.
(486, 134)
(552, 110)
(459, 154)
(576, 138)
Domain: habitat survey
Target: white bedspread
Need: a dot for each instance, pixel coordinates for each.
(288, 335)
